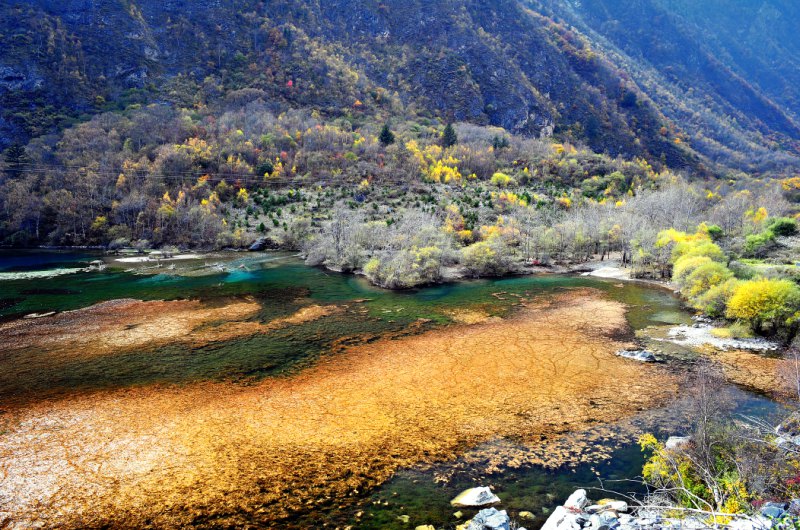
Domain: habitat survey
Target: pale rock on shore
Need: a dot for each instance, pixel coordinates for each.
(578, 513)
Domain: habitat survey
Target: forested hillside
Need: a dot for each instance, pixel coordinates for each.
(498, 63)
(158, 123)
(726, 72)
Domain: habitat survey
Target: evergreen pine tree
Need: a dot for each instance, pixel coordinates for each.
(387, 136)
(16, 158)
(449, 136)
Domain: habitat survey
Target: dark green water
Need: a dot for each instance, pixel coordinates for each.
(416, 493)
(282, 284)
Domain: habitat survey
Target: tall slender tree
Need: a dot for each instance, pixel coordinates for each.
(449, 136)
(16, 158)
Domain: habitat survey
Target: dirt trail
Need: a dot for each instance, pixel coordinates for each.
(228, 455)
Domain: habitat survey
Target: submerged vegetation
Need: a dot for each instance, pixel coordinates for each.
(411, 144)
(308, 443)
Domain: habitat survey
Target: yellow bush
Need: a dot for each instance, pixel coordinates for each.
(666, 237)
(506, 199)
(705, 277)
(766, 301)
(564, 202)
(714, 301)
(501, 180)
(440, 172)
(684, 267)
(700, 247)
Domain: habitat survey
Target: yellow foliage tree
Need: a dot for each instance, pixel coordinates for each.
(766, 302)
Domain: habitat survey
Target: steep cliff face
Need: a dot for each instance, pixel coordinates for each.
(504, 62)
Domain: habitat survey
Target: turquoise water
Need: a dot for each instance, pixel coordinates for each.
(282, 284)
(276, 277)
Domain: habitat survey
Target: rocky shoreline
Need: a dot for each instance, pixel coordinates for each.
(579, 513)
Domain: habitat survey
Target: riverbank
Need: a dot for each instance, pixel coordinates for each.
(610, 268)
(578, 511)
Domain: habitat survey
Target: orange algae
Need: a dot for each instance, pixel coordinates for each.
(216, 454)
(109, 327)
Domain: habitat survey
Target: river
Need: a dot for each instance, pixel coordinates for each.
(236, 367)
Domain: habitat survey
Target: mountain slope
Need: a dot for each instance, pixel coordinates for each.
(504, 63)
(726, 73)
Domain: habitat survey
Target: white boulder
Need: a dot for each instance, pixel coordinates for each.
(674, 442)
(475, 497)
(560, 519)
(644, 356)
(751, 523)
(577, 501)
(490, 519)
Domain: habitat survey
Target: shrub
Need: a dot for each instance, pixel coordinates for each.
(715, 232)
(775, 303)
(705, 277)
(742, 270)
(501, 180)
(487, 258)
(737, 330)
(405, 268)
(701, 247)
(714, 301)
(783, 226)
(686, 266)
(757, 245)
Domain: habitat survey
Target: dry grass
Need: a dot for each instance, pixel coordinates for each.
(217, 454)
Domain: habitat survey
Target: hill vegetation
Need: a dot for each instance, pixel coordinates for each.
(329, 128)
(536, 69)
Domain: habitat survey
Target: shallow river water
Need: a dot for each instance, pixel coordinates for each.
(280, 286)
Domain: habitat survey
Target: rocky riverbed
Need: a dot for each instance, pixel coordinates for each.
(580, 513)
